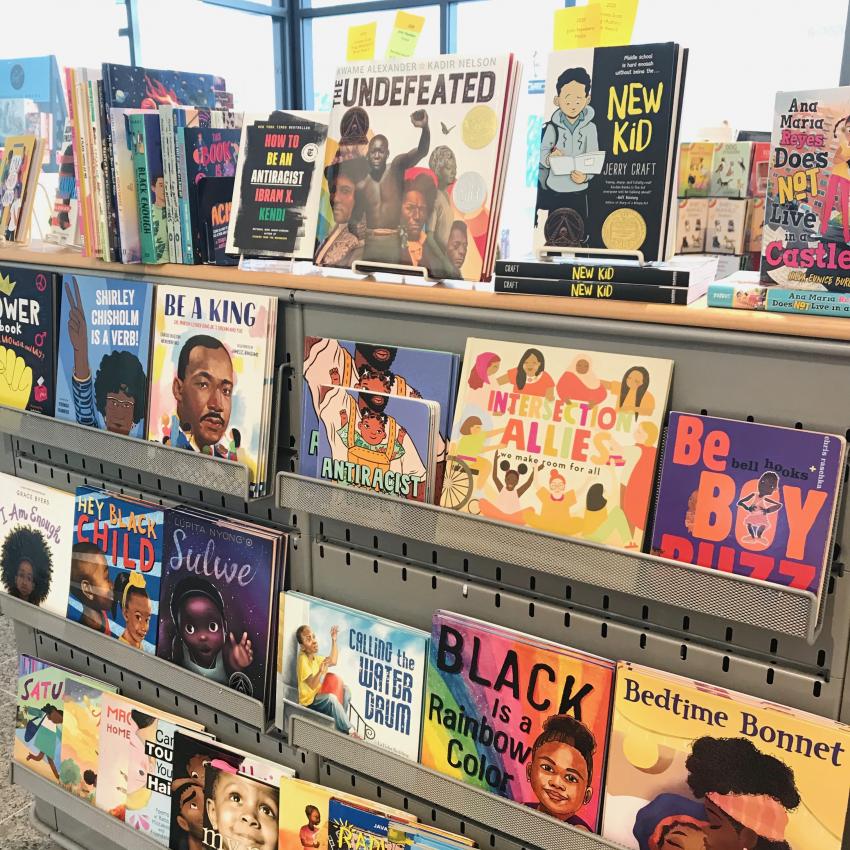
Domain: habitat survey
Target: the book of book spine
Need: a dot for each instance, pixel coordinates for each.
(183, 196)
(143, 194)
(73, 123)
(594, 272)
(778, 299)
(80, 130)
(166, 131)
(585, 289)
(112, 249)
(95, 160)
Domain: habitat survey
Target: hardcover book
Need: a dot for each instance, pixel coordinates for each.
(759, 169)
(278, 185)
(519, 716)
(80, 741)
(65, 216)
(727, 225)
(730, 170)
(150, 185)
(116, 566)
(214, 213)
(691, 226)
(753, 499)
(36, 534)
(28, 339)
(695, 160)
(608, 148)
(19, 157)
(755, 225)
(114, 735)
(350, 827)
(371, 672)
(104, 344)
(124, 175)
(694, 765)
(557, 440)
(145, 88)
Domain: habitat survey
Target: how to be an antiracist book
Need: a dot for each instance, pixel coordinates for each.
(606, 172)
(753, 499)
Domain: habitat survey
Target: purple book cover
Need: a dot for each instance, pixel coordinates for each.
(752, 499)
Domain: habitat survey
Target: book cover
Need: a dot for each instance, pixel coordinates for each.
(396, 370)
(217, 602)
(730, 170)
(367, 439)
(278, 185)
(80, 743)
(727, 225)
(116, 566)
(691, 225)
(64, 220)
(104, 344)
(413, 177)
(36, 534)
(759, 169)
(126, 203)
(18, 156)
(350, 827)
(211, 374)
(371, 672)
(150, 186)
(28, 339)
(214, 213)
(114, 738)
(605, 177)
(755, 226)
(558, 440)
(753, 499)
(518, 716)
(692, 765)
(807, 226)
(133, 86)
(695, 160)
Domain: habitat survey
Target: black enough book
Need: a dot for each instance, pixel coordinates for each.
(646, 292)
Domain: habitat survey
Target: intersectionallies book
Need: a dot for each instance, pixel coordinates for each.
(691, 765)
(757, 500)
(519, 716)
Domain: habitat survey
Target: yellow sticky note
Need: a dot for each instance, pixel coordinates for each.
(361, 42)
(406, 32)
(617, 21)
(577, 26)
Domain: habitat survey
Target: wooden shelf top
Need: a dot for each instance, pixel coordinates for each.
(696, 315)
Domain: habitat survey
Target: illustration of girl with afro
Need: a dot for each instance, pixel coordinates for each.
(27, 565)
(760, 505)
(130, 592)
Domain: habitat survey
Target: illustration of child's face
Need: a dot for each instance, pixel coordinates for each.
(159, 190)
(634, 379)
(315, 818)
(683, 836)
(531, 366)
(557, 486)
(308, 641)
(572, 98)
(244, 810)
(378, 382)
(95, 583)
(191, 817)
(511, 479)
(558, 777)
(201, 629)
(25, 579)
(372, 430)
(494, 367)
(137, 615)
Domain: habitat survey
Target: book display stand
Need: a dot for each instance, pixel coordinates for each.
(550, 253)
(403, 560)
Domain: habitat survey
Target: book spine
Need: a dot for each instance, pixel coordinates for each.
(598, 291)
(593, 273)
(97, 169)
(85, 199)
(143, 192)
(166, 124)
(108, 178)
(75, 145)
(813, 302)
(723, 295)
(183, 201)
(93, 168)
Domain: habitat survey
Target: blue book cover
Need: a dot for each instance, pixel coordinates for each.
(116, 566)
(133, 86)
(104, 343)
(146, 143)
(352, 828)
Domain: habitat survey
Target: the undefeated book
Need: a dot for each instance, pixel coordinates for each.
(278, 185)
(753, 499)
(606, 171)
(28, 339)
(104, 343)
(518, 716)
(559, 440)
(692, 765)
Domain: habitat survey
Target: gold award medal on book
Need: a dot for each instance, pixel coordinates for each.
(479, 127)
(624, 229)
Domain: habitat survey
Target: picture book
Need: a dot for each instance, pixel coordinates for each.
(116, 566)
(759, 169)
(19, 154)
(691, 226)
(755, 225)
(519, 716)
(214, 212)
(36, 534)
(730, 170)
(557, 440)
(371, 671)
(64, 223)
(28, 339)
(80, 741)
(113, 737)
(124, 175)
(350, 827)
(150, 185)
(212, 374)
(104, 344)
(754, 499)
(694, 765)
(620, 105)
(132, 86)
(278, 185)
(414, 164)
(40, 715)
(695, 159)
(219, 591)
(807, 225)
(727, 225)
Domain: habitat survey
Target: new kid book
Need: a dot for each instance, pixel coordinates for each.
(36, 534)
(150, 185)
(80, 742)
(371, 671)
(28, 339)
(116, 565)
(212, 375)
(558, 440)
(754, 499)
(606, 171)
(519, 716)
(807, 226)
(695, 160)
(104, 344)
(414, 164)
(694, 765)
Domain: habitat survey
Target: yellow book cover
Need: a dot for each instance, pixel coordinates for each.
(695, 160)
(698, 767)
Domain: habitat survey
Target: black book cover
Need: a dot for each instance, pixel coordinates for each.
(578, 272)
(646, 292)
(214, 210)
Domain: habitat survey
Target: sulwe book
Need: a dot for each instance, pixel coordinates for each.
(692, 765)
(518, 716)
(558, 440)
(749, 498)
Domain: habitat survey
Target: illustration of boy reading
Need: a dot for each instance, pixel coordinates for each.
(241, 812)
(759, 505)
(117, 398)
(312, 671)
(561, 769)
(41, 733)
(130, 592)
(91, 586)
(202, 642)
(27, 565)
(308, 835)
